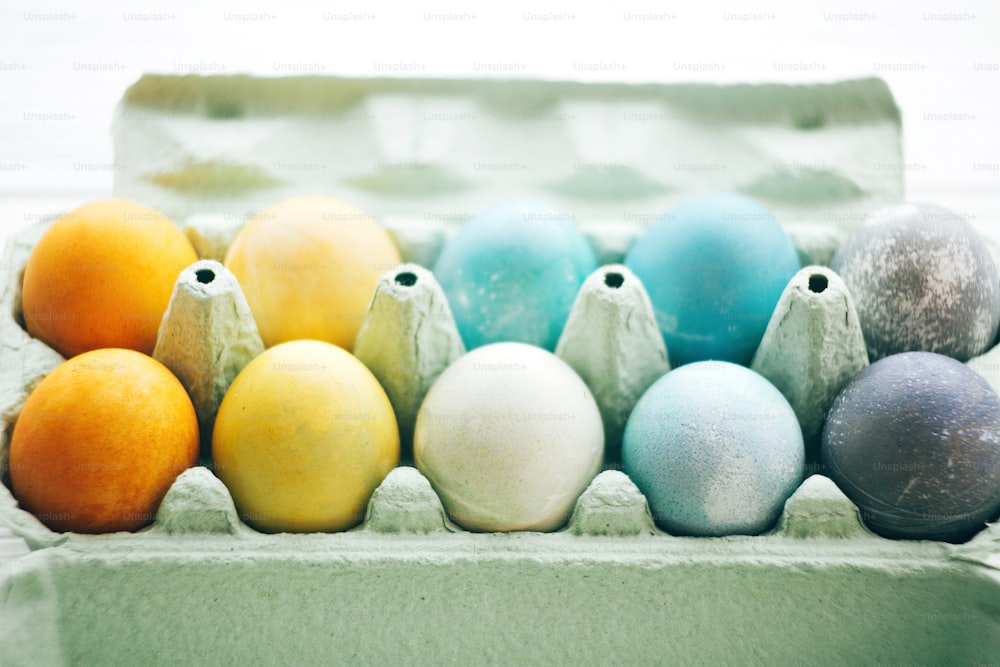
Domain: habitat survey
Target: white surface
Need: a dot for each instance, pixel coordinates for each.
(64, 65)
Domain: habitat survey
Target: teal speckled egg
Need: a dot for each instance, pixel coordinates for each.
(512, 273)
(714, 267)
(716, 449)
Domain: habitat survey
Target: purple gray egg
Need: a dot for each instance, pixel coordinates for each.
(914, 441)
(715, 448)
(922, 280)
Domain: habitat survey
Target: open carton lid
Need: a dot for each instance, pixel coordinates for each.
(424, 155)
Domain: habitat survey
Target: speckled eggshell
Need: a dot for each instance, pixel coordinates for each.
(714, 268)
(922, 280)
(716, 449)
(914, 441)
(512, 274)
(509, 436)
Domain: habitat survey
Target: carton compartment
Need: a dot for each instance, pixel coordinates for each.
(407, 585)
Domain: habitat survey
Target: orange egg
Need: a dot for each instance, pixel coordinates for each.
(101, 276)
(100, 440)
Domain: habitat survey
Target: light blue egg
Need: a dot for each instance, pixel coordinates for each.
(512, 274)
(714, 268)
(716, 449)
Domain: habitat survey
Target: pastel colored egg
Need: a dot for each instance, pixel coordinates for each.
(304, 436)
(714, 268)
(716, 449)
(512, 273)
(914, 441)
(922, 280)
(308, 267)
(509, 436)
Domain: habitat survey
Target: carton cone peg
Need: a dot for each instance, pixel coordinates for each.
(198, 502)
(819, 509)
(206, 337)
(811, 348)
(407, 339)
(405, 502)
(611, 339)
(612, 505)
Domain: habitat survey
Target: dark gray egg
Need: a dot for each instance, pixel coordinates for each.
(914, 441)
(922, 280)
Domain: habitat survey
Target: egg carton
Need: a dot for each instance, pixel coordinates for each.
(424, 155)
(410, 587)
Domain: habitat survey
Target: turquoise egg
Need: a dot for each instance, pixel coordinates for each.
(714, 268)
(512, 274)
(715, 448)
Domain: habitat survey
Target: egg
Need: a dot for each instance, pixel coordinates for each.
(914, 441)
(512, 274)
(509, 436)
(922, 280)
(716, 449)
(714, 268)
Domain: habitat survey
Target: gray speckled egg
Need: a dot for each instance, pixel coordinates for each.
(914, 441)
(922, 280)
(716, 449)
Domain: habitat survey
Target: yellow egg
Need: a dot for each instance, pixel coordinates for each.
(303, 437)
(308, 267)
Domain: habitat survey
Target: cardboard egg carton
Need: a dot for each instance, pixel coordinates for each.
(424, 155)
(407, 585)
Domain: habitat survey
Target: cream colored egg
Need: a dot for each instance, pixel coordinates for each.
(509, 436)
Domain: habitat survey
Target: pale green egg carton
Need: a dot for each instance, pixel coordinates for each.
(424, 155)
(408, 586)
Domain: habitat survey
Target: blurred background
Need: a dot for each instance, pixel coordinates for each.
(64, 66)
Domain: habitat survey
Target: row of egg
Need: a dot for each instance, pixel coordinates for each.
(715, 448)
(509, 435)
(714, 268)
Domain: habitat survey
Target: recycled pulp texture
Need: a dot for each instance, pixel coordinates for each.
(408, 587)
(206, 337)
(812, 347)
(612, 341)
(25, 360)
(407, 339)
(817, 155)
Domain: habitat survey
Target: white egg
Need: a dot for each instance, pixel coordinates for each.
(509, 436)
